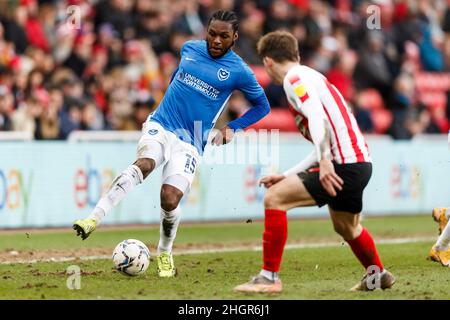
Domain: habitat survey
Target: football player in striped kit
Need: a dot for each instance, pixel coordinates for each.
(335, 173)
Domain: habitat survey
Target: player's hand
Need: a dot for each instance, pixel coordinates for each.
(269, 181)
(224, 136)
(329, 179)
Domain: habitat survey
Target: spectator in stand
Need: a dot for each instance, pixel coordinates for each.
(123, 47)
(81, 54)
(119, 14)
(33, 26)
(362, 115)
(372, 70)
(430, 55)
(419, 121)
(47, 124)
(143, 105)
(15, 29)
(70, 117)
(401, 104)
(340, 74)
(25, 118)
(250, 30)
(91, 117)
(6, 108)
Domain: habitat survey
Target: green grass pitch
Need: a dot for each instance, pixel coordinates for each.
(308, 272)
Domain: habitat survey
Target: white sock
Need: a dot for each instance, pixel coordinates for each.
(443, 241)
(168, 229)
(269, 274)
(123, 184)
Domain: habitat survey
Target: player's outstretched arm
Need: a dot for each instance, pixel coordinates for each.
(260, 108)
(305, 164)
(258, 111)
(320, 134)
(269, 181)
(254, 93)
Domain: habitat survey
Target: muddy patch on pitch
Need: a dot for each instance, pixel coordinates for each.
(11, 255)
(17, 256)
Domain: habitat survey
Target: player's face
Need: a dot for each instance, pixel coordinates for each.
(220, 38)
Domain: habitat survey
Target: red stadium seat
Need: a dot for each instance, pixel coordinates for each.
(371, 99)
(432, 81)
(261, 75)
(281, 119)
(434, 99)
(382, 119)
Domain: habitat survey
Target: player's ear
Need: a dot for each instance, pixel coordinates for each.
(267, 61)
(235, 36)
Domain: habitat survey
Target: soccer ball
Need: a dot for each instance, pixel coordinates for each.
(131, 257)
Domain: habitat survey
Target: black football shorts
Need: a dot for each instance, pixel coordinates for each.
(356, 176)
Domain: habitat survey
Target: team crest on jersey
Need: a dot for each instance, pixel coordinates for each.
(223, 74)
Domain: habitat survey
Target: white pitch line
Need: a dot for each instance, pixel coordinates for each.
(234, 249)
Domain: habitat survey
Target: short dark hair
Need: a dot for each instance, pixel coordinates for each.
(281, 46)
(226, 16)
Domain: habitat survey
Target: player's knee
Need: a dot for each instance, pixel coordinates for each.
(345, 230)
(271, 200)
(170, 198)
(146, 165)
(339, 228)
(169, 203)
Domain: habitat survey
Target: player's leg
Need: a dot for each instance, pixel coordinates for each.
(150, 154)
(440, 251)
(120, 187)
(178, 175)
(348, 225)
(172, 192)
(286, 194)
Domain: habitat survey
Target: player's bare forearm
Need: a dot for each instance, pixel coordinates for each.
(303, 165)
(331, 182)
(324, 146)
(320, 134)
(269, 181)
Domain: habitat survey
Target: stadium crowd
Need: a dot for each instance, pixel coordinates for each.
(70, 65)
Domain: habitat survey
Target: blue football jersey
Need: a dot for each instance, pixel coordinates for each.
(199, 91)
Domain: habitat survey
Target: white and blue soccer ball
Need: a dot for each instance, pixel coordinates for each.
(131, 257)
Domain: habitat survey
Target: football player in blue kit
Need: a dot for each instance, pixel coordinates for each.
(175, 134)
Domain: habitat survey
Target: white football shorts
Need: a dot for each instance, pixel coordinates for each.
(179, 159)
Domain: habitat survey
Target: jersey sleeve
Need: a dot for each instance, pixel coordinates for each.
(304, 96)
(248, 84)
(254, 93)
(185, 47)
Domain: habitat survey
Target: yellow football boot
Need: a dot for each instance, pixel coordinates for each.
(443, 257)
(438, 215)
(84, 227)
(166, 267)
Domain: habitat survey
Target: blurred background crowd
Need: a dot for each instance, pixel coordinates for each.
(70, 65)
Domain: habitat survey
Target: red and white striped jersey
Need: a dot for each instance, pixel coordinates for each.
(308, 93)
